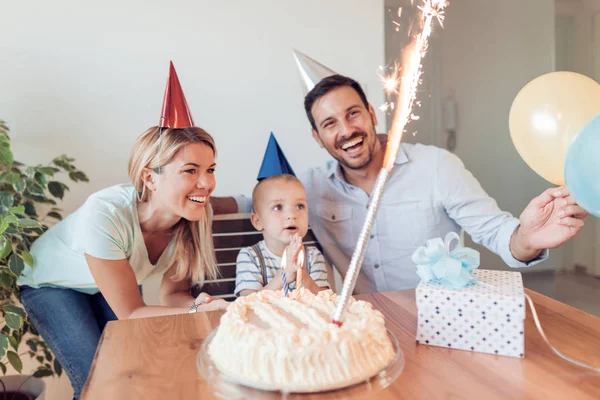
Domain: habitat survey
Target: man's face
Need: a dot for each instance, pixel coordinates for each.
(345, 127)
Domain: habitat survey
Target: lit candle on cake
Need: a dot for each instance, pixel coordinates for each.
(283, 267)
(300, 261)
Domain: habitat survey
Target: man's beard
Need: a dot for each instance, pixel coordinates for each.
(358, 164)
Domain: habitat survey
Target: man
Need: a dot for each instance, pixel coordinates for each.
(428, 194)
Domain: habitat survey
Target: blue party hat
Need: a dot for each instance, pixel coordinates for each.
(274, 161)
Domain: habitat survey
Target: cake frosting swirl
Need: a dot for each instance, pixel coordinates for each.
(273, 342)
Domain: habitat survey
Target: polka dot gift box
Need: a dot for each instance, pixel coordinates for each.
(461, 307)
(487, 315)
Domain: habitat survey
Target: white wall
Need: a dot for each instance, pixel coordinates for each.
(578, 50)
(489, 50)
(87, 78)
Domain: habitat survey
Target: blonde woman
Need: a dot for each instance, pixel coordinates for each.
(89, 266)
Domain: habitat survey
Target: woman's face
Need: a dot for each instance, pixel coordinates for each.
(184, 185)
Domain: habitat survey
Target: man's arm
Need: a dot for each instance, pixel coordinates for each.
(548, 221)
(224, 205)
(478, 214)
(520, 248)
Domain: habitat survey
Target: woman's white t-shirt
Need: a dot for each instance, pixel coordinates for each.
(106, 226)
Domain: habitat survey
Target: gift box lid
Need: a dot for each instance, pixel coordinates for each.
(497, 293)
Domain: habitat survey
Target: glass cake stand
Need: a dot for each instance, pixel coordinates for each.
(226, 388)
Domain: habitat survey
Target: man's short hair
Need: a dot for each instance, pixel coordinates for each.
(325, 86)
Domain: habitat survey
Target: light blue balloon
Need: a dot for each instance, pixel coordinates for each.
(582, 167)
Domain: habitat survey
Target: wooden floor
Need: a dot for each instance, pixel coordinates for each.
(576, 289)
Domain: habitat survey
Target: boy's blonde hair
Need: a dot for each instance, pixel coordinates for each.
(258, 189)
(194, 253)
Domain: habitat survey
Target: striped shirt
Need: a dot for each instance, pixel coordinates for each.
(249, 277)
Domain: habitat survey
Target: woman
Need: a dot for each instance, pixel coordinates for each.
(88, 268)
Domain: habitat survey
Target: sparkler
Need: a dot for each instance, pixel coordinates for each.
(430, 10)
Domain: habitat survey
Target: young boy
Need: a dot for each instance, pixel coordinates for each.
(280, 213)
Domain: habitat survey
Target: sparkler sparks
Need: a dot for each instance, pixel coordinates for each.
(406, 90)
(411, 76)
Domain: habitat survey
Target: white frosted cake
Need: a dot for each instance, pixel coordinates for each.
(271, 342)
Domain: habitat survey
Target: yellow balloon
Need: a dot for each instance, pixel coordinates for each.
(545, 116)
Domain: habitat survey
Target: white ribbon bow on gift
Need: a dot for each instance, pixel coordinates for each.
(453, 269)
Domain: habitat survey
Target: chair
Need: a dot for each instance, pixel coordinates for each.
(231, 232)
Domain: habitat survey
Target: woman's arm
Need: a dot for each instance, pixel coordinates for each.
(175, 294)
(118, 285)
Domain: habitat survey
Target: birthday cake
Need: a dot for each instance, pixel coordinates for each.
(272, 342)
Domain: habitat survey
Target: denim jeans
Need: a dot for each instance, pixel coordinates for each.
(71, 323)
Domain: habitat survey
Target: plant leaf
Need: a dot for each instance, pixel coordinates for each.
(14, 321)
(48, 355)
(3, 226)
(29, 223)
(30, 172)
(63, 163)
(13, 343)
(27, 257)
(30, 209)
(3, 368)
(35, 188)
(57, 367)
(14, 309)
(20, 185)
(17, 334)
(15, 361)
(40, 198)
(32, 345)
(41, 179)
(9, 177)
(10, 218)
(40, 359)
(54, 214)
(17, 210)
(6, 199)
(56, 189)
(6, 280)
(6, 156)
(50, 171)
(5, 246)
(78, 176)
(3, 345)
(16, 264)
(42, 372)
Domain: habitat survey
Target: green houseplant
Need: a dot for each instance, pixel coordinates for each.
(28, 197)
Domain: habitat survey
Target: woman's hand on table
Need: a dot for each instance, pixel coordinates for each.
(208, 303)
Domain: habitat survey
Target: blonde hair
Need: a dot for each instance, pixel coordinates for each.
(258, 189)
(194, 253)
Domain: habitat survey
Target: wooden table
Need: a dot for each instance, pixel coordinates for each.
(155, 358)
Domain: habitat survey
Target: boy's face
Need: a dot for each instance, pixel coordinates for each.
(281, 211)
